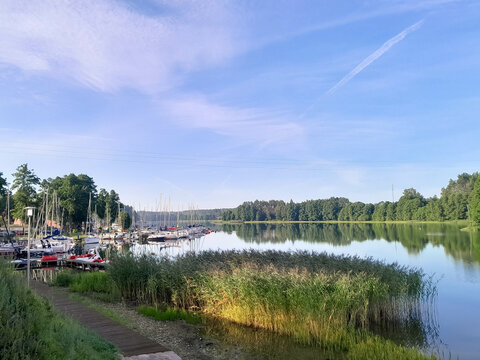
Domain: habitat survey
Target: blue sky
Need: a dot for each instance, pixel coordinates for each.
(213, 103)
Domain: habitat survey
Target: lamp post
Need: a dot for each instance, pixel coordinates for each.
(30, 211)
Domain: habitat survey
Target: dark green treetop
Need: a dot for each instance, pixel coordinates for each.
(474, 203)
(24, 185)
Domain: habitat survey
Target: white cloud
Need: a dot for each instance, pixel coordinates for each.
(254, 125)
(107, 46)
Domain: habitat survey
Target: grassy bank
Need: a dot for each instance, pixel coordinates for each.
(30, 329)
(332, 302)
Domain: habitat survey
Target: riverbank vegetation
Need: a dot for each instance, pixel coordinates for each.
(454, 203)
(30, 329)
(336, 303)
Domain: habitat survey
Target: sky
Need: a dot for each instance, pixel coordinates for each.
(212, 103)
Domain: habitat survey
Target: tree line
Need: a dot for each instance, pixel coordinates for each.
(68, 196)
(459, 200)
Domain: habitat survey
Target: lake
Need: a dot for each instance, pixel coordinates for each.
(451, 256)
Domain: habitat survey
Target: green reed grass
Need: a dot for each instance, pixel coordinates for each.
(333, 302)
(96, 284)
(330, 301)
(30, 329)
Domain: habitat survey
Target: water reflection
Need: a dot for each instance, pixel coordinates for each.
(441, 250)
(414, 238)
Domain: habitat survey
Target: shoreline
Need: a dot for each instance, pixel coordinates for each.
(393, 222)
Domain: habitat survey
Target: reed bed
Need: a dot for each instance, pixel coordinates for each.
(30, 329)
(329, 301)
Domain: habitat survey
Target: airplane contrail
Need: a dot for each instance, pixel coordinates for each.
(375, 55)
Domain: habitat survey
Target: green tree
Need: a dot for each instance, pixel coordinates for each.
(408, 204)
(74, 193)
(111, 203)
(125, 220)
(101, 203)
(3, 192)
(24, 184)
(474, 203)
(380, 211)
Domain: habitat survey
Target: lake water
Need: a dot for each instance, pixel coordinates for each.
(450, 255)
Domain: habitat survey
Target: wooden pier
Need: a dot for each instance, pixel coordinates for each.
(130, 343)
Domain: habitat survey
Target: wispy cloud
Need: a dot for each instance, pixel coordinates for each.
(107, 45)
(374, 56)
(261, 126)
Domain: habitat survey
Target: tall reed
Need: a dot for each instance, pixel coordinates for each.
(330, 301)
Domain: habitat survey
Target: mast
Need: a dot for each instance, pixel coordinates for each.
(108, 218)
(46, 217)
(119, 219)
(133, 217)
(8, 209)
(53, 207)
(89, 214)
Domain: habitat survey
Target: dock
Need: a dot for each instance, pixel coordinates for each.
(130, 344)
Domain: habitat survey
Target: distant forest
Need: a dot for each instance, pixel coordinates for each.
(454, 203)
(164, 217)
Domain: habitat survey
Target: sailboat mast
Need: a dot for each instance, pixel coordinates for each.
(89, 213)
(46, 217)
(53, 207)
(8, 209)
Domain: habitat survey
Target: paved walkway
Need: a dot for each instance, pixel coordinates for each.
(131, 344)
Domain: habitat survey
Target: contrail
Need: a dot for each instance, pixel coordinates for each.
(375, 55)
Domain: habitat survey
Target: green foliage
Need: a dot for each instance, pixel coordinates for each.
(24, 184)
(30, 329)
(97, 284)
(3, 192)
(74, 192)
(412, 206)
(101, 203)
(475, 203)
(125, 220)
(112, 205)
(463, 185)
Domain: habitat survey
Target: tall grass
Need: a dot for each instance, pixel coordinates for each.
(30, 329)
(96, 284)
(330, 301)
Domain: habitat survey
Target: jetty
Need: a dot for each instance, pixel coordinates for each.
(131, 344)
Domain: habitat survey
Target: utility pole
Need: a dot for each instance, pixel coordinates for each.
(29, 214)
(393, 197)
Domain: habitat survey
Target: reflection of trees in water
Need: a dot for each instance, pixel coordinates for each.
(413, 237)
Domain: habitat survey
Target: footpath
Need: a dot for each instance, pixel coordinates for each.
(132, 345)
